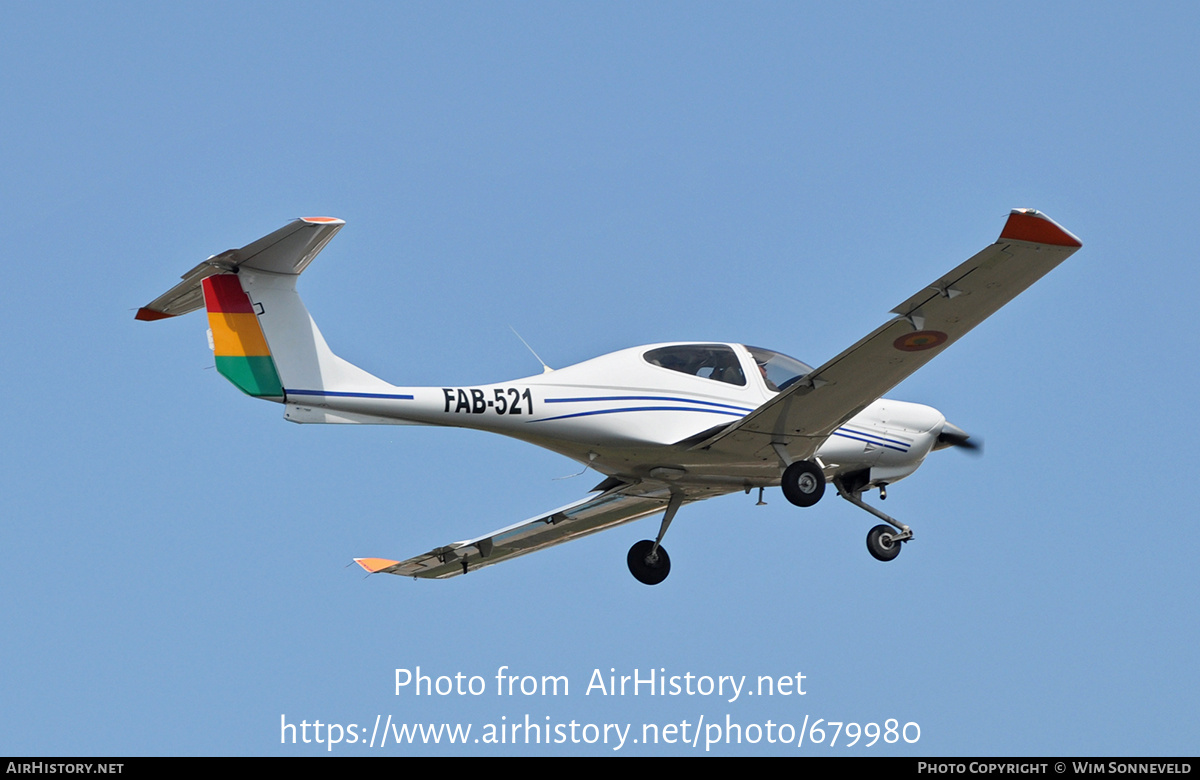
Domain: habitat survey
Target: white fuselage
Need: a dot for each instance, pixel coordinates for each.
(622, 415)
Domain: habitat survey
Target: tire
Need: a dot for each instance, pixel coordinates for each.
(644, 571)
(803, 483)
(880, 543)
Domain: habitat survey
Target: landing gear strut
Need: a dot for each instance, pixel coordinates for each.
(648, 561)
(882, 541)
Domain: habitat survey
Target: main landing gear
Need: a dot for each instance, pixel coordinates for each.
(648, 565)
(648, 561)
(803, 483)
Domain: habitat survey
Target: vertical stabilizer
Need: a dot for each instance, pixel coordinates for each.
(306, 365)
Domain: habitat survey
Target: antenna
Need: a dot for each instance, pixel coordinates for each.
(545, 368)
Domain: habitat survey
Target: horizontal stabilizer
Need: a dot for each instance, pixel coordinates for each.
(288, 250)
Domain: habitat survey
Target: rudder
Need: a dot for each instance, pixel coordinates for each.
(239, 346)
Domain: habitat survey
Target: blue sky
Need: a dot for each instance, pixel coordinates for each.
(596, 176)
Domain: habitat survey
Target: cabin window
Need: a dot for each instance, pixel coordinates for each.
(710, 361)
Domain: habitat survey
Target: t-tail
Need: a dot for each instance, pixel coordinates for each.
(238, 342)
(264, 340)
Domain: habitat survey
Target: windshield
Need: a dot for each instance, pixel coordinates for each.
(778, 370)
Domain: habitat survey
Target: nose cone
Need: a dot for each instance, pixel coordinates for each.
(908, 417)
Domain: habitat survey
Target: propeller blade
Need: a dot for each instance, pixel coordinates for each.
(953, 436)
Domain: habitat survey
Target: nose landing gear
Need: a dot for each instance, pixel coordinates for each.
(882, 541)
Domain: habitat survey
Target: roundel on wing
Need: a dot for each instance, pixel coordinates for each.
(922, 339)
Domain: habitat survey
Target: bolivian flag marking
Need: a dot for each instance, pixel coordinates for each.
(242, 354)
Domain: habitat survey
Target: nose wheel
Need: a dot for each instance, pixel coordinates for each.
(881, 543)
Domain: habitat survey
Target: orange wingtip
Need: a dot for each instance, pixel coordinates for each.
(150, 315)
(1035, 227)
(319, 219)
(375, 564)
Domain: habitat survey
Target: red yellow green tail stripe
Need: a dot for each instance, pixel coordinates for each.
(242, 354)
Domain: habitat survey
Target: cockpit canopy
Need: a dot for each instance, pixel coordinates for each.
(778, 370)
(720, 362)
(711, 361)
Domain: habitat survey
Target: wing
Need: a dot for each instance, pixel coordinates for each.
(803, 415)
(622, 503)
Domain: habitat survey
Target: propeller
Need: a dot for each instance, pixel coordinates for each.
(953, 436)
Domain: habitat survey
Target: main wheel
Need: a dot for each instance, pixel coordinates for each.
(645, 570)
(803, 483)
(880, 543)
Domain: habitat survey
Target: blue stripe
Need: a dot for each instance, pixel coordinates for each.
(877, 437)
(332, 394)
(644, 398)
(838, 432)
(639, 409)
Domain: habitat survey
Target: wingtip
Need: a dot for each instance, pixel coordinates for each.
(149, 315)
(1033, 226)
(373, 565)
(323, 220)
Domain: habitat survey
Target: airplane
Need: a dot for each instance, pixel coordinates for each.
(666, 424)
